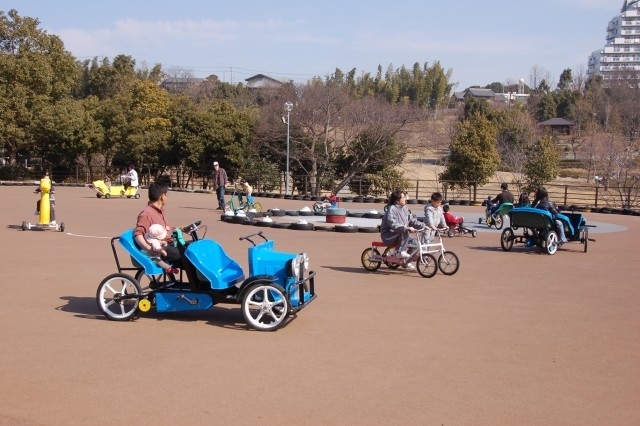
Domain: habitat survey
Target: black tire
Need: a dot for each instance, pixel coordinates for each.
(324, 228)
(506, 239)
(498, 221)
(345, 229)
(61, 227)
(306, 213)
(368, 229)
(107, 196)
(317, 207)
(355, 214)
(118, 296)
(448, 263)
(387, 252)
(291, 212)
(373, 215)
(137, 196)
(302, 226)
(367, 255)
(450, 233)
(265, 306)
(277, 213)
(427, 265)
(479, 221)
(282, 225)
(263, 223)
(98, 195)
(474, 233)
(24, 225)
(551, 243)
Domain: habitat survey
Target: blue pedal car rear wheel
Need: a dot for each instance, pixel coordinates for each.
(118, 296)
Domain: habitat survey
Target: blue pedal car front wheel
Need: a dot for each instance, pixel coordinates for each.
(265, 306)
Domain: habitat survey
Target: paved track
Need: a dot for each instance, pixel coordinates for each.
(514, 338)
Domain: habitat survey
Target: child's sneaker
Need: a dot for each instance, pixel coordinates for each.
(404, 254)
(409, 265)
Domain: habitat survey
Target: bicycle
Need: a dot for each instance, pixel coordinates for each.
(324, 204)
(421, 253)
(242, 205)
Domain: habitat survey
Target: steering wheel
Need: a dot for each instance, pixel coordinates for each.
(188, 229)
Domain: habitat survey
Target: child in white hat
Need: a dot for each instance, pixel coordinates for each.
(155, 237)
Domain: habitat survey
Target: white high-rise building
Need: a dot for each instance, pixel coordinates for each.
(621, 52)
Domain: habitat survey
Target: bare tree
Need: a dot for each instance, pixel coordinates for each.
(537, 75)
(614, 158)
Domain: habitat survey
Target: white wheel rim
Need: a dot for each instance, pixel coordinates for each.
(113, 308)
(265, 307)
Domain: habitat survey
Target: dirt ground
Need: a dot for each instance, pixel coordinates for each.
(514, 338)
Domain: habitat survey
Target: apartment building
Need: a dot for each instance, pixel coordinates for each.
(621, 53)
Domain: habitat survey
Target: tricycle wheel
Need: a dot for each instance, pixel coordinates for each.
(136, 196)
(367, 259)
(479, 221)
(265, 307)
(118, 296)
(474, 233)
(506, 239)
(387, 252)
(107, 196)
(450, 233)
(61, 227)
(448, 263)
(257, 207)
(551, 242)
(24, 225)
(98, 195)
(498, 221)
(427, 265)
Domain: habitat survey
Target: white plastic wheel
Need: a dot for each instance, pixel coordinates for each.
(118, 296)
(265, 307)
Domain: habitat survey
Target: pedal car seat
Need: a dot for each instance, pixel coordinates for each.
(138, 258)
(504, 209)
(530, 217)
(572, 223)
(211, 261)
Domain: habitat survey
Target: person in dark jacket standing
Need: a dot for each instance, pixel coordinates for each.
(220, 181)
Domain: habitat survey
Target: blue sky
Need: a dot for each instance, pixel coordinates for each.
(481, 42)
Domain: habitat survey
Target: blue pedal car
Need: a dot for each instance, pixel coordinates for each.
(279, 284)
(539, 229)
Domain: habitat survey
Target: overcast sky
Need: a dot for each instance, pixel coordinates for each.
(481, 42)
